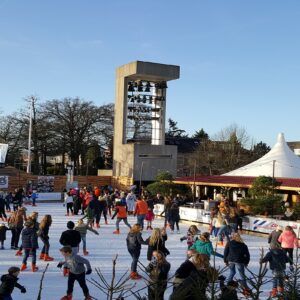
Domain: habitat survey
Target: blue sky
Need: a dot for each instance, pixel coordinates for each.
(239, 59)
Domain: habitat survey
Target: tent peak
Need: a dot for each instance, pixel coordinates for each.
(280, 138)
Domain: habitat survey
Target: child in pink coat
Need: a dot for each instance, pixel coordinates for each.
(288, 241)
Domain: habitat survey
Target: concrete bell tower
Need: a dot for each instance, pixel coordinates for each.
(140, 152)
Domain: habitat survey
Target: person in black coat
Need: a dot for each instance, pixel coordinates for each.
(18, 199)
(77, 202)
(236, 255)
(29, 244)
(191, 279)
(3, 230)
(71, 237)
(278, 260)
(8, 200)
(9, 282)
(96, 207)
(158, 270)
(134, 241)
(174, 217)
(43, 233)
(3, 215)
(156, 242)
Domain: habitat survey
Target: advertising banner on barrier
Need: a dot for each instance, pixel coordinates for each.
(3, 152)
(252, 223)
(3, 182)
(48, 196)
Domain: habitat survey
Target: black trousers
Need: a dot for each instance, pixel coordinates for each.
(69, 207)
(81, 280)
(289, 253)
(2, 213)
(15, 236)
(46, 246)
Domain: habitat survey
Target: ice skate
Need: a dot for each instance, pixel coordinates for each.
(23, 267)
(48, 258)
(34, 268)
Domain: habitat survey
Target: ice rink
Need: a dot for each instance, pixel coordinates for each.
(102, 249)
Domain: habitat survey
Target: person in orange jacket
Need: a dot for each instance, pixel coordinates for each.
(141, 209)
(121, 213)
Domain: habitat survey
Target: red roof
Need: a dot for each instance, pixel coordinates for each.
(236, 181)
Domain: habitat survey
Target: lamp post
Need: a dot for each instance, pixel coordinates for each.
(273, 186)
(194, 185)
(29, 137)
(141, 175)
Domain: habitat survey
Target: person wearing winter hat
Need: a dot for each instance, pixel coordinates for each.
(72, 238)
(9, 282)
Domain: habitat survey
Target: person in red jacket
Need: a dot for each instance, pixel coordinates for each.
(121, 213)
(141, 209)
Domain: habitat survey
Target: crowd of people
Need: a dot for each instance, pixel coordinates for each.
(191, 279)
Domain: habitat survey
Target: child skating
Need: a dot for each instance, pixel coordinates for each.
(121, 213)
(79, 267)
(29, 244)
(82, 228)
(3, 230)
(9, 282)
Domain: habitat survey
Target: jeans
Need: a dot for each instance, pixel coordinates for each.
(26, 255)
(135, 258)
(124, 220)
(224, 230)
(83, 239)
(278, 278)
(81, 280)
(46, 246)
(233, 227)
(140, 220)
(241, 270)
(75, 250)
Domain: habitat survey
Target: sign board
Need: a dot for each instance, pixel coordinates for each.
(3, 152)
(3, 182)
(45, 184)
(104, 172)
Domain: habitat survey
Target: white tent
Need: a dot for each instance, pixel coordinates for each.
(280, 159)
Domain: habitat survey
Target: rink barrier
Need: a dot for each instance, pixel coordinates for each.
(250, 223)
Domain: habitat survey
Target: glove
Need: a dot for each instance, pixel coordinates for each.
(64, 205)
(88, 272)
(60, 264)
(181, 239)
(112, 218)
(221, 278)
(23, 290)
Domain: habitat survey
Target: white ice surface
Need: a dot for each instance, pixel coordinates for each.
(102, 249)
